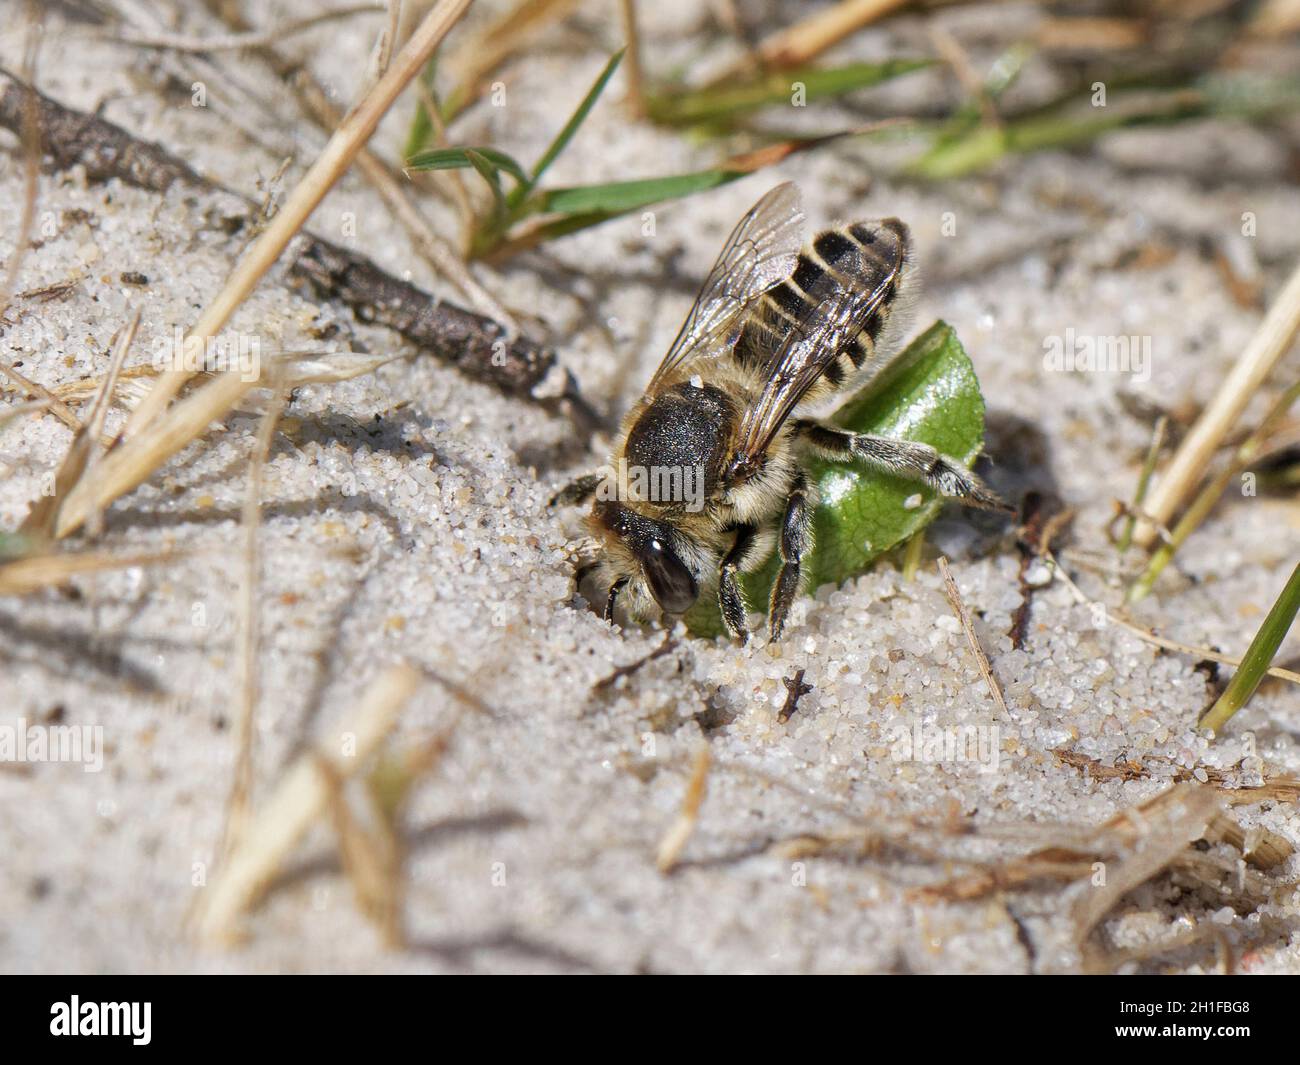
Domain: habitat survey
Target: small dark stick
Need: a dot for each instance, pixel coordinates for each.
(1040, 521)
(607, 682)
(796, 689)
(477, 346)
(1031, 528)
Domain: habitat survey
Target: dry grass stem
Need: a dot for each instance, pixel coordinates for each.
(80, 459)
(670, 848)
(27, 575)
(981, 659)
(1163, 829)
(20, 410)
(334, 160)
(1144, 482)
(1186, 469)
(241, 789)
(30, 388)
(632, 59)
(1274, 789)
(236, 41)
(372, 857)
(135, 459)
(31, 144)
(1084, 34)
(104, 397)
(302, 795)
(809, 38)
(143, 451)
(471, 63)
(1274, 19)
(1147, 636)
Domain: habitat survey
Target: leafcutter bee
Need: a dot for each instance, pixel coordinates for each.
(708, 472)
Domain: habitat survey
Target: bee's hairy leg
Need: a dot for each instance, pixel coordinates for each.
(612, 599)
(902, 458)
(794, 544)
(576, 491)
(731, 599)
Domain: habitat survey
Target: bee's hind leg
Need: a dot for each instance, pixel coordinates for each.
(902, 458)
(576, 491)
(731, 599)
(794, 544)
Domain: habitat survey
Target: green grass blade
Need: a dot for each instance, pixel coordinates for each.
(709, 105)
(616, 197)
(588, 205)
(1209, 496)
(982, 146)
(1258, 658)
(421, 128)
(962, 150)
(1249, 95)
(487, 171)
(1144, 482)
(464, 158)
(571, 127)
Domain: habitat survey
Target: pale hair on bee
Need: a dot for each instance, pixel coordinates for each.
(781, 335)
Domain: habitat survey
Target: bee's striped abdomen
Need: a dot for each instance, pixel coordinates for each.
(865, 256)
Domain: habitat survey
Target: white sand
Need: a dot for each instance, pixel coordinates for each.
(405, 518)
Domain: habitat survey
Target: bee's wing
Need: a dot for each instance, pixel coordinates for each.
(836, 308)
(760, 252)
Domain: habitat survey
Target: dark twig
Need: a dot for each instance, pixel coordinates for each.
(795, 690)
(1038, 527)
(1031, 528)
(477, 346)
(607, 682)
(315, 103)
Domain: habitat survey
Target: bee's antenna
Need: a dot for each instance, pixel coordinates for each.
(615, 588)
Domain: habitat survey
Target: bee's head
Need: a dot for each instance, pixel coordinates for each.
(644, 561)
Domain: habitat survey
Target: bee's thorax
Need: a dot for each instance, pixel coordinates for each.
(687, 426)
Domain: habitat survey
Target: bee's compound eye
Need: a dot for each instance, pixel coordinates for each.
(671, 583)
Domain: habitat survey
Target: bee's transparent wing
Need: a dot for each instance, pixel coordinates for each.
(760, 252)
(833, 316)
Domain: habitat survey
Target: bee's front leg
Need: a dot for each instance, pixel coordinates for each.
(902, 458)
(731, 600)
(795, 543)
(577, 491)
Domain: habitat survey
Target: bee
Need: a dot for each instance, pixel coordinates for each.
(776, 340)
